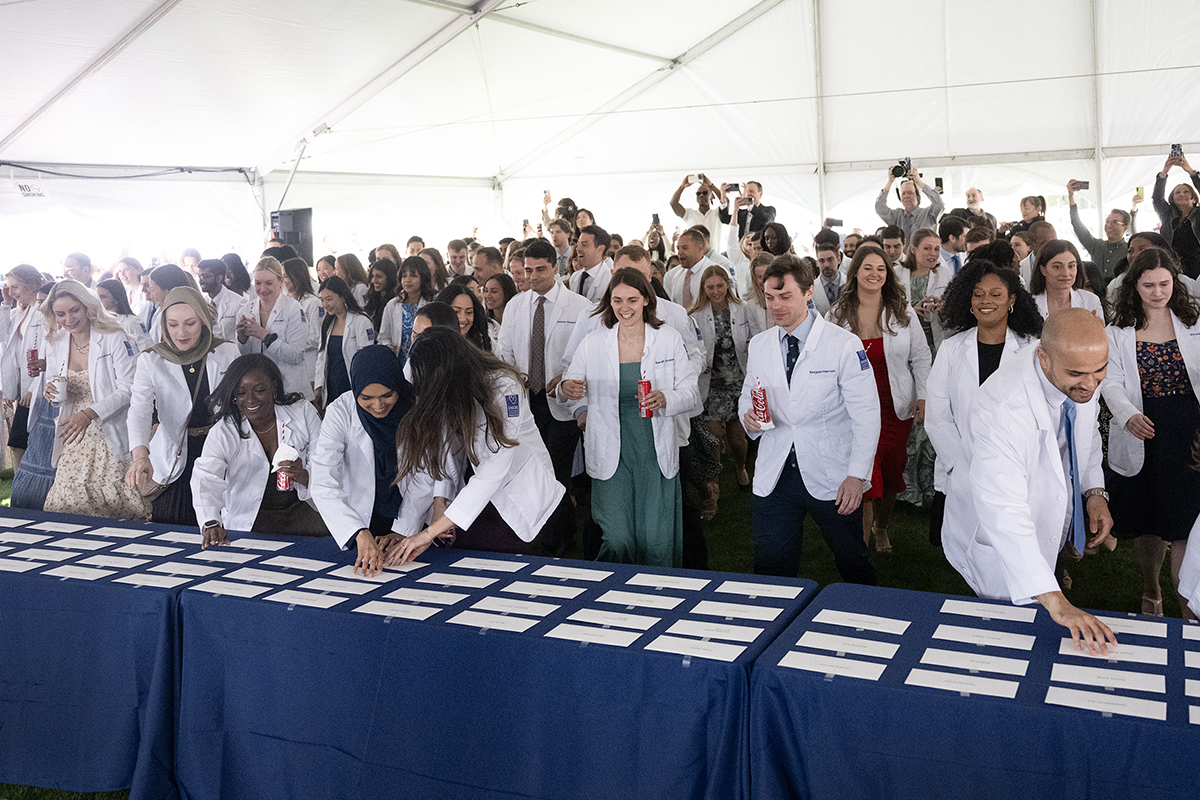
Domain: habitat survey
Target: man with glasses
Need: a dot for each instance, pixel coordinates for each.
(706, 214)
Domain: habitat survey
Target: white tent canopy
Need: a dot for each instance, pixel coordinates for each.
(434, 117)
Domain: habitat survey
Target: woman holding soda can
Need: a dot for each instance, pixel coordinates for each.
(628, 380)
(20, 326)
(253, 472)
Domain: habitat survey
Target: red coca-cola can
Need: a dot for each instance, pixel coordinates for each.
(758, 399)
(643, 390)
(31, 355)
(283, 481)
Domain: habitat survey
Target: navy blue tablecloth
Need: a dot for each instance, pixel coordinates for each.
(89, 669)
(817, 735)
(284, 701)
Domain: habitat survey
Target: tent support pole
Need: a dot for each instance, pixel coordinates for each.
(1099, 132)
(820, 87)
(292, 174)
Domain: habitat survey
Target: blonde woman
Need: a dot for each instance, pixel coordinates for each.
(726, 331)
(273, 324)
(90, 364)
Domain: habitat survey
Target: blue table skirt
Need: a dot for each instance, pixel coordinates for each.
(282, 702)
(87, 681)
(843, 737)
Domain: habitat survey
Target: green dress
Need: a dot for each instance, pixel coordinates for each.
(640, 511)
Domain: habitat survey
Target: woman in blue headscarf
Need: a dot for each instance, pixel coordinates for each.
(357, 449)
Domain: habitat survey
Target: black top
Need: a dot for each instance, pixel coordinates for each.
(989, 359)
(201, 416)
(337, 376)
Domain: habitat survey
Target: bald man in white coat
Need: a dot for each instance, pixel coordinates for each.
(1012, 502)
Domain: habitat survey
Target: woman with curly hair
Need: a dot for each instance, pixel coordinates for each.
(994, 317)
(1154, 349)
(872, 305)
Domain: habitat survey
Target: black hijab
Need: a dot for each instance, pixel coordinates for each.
(378, 364)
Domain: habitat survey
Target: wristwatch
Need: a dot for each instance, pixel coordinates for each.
(212, 523)
(1094, 492)
(269, 339)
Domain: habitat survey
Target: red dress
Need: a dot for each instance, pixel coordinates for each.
(891, 455)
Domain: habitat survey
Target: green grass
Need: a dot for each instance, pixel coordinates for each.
(1106, 581)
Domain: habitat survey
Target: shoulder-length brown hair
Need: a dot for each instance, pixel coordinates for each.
(1128, 309)
(893, 307)
(452, 380)
(629, 277)
(1052, 248)
(714, 271)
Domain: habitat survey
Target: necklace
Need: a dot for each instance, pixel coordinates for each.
(267, 429)
(79, 349)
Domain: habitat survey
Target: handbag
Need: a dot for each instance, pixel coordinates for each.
(150, 488)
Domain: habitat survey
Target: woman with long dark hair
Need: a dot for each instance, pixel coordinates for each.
(350, 269)
(234, 482)
(437, 267)
(384, 282)
(872, 305)
(471, 410)
(415, 289)
(497, 291)
(344, 331)
(1058, 280)
(991, 317)
(1154, 352)
(174, 380)
(298, 283)
(112, 296)
(237, 277)
(472, 319)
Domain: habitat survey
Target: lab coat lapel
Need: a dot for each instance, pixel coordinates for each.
(1047, 426)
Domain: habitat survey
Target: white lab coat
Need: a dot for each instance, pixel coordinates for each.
(360, 290)
(1189, 572)
(673, 280)
(160, 385)
(562, 310)
(1080, 298)
(906, 353)
(1122, 390)
(230, 476)
(111, 364)
(950, 392)
(820, 298)
(135, 330)
(664, 363)
(740, 327)
(391, 324)
(358, 333)
(15, 342)
(829, 413)
(342, 478)
(228, 307)
(1009, 494)
(757, 315)
(314, 313)
(519, 481)
(287, 319)
(597, 284)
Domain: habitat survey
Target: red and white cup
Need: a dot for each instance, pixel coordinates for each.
(758, 400)
(31, 359)
(643, 390)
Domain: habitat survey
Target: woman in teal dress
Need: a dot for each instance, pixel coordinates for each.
(633, 459)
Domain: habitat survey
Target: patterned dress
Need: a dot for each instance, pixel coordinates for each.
(725, 383)
(90, 479)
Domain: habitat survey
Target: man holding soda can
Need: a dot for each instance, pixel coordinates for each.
(810, 397)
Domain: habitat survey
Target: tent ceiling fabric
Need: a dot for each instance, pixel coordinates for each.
(236, 83)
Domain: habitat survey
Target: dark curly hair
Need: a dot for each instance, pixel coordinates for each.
(222, 402)
(1128, 309)
(1023, 320)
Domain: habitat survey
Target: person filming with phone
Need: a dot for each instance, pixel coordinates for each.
(913, 216)
(706, 212)
(1180, 222)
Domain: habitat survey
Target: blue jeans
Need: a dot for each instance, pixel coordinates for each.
(778, 527)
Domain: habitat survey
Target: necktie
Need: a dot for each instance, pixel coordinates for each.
(583, 279)
(1076, 530)
(957, 262)
(687, 288)
(562, 263)
(793, 353)
(537, 349)
(831, 292)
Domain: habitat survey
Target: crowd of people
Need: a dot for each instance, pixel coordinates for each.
(504, 397)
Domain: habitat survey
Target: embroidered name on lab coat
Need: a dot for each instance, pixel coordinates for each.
(513, 402)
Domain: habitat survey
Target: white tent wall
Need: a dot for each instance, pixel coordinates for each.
(353, 214)
(111, 219)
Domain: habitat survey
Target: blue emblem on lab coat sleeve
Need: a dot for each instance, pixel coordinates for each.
(864, 363)
(513, 402)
